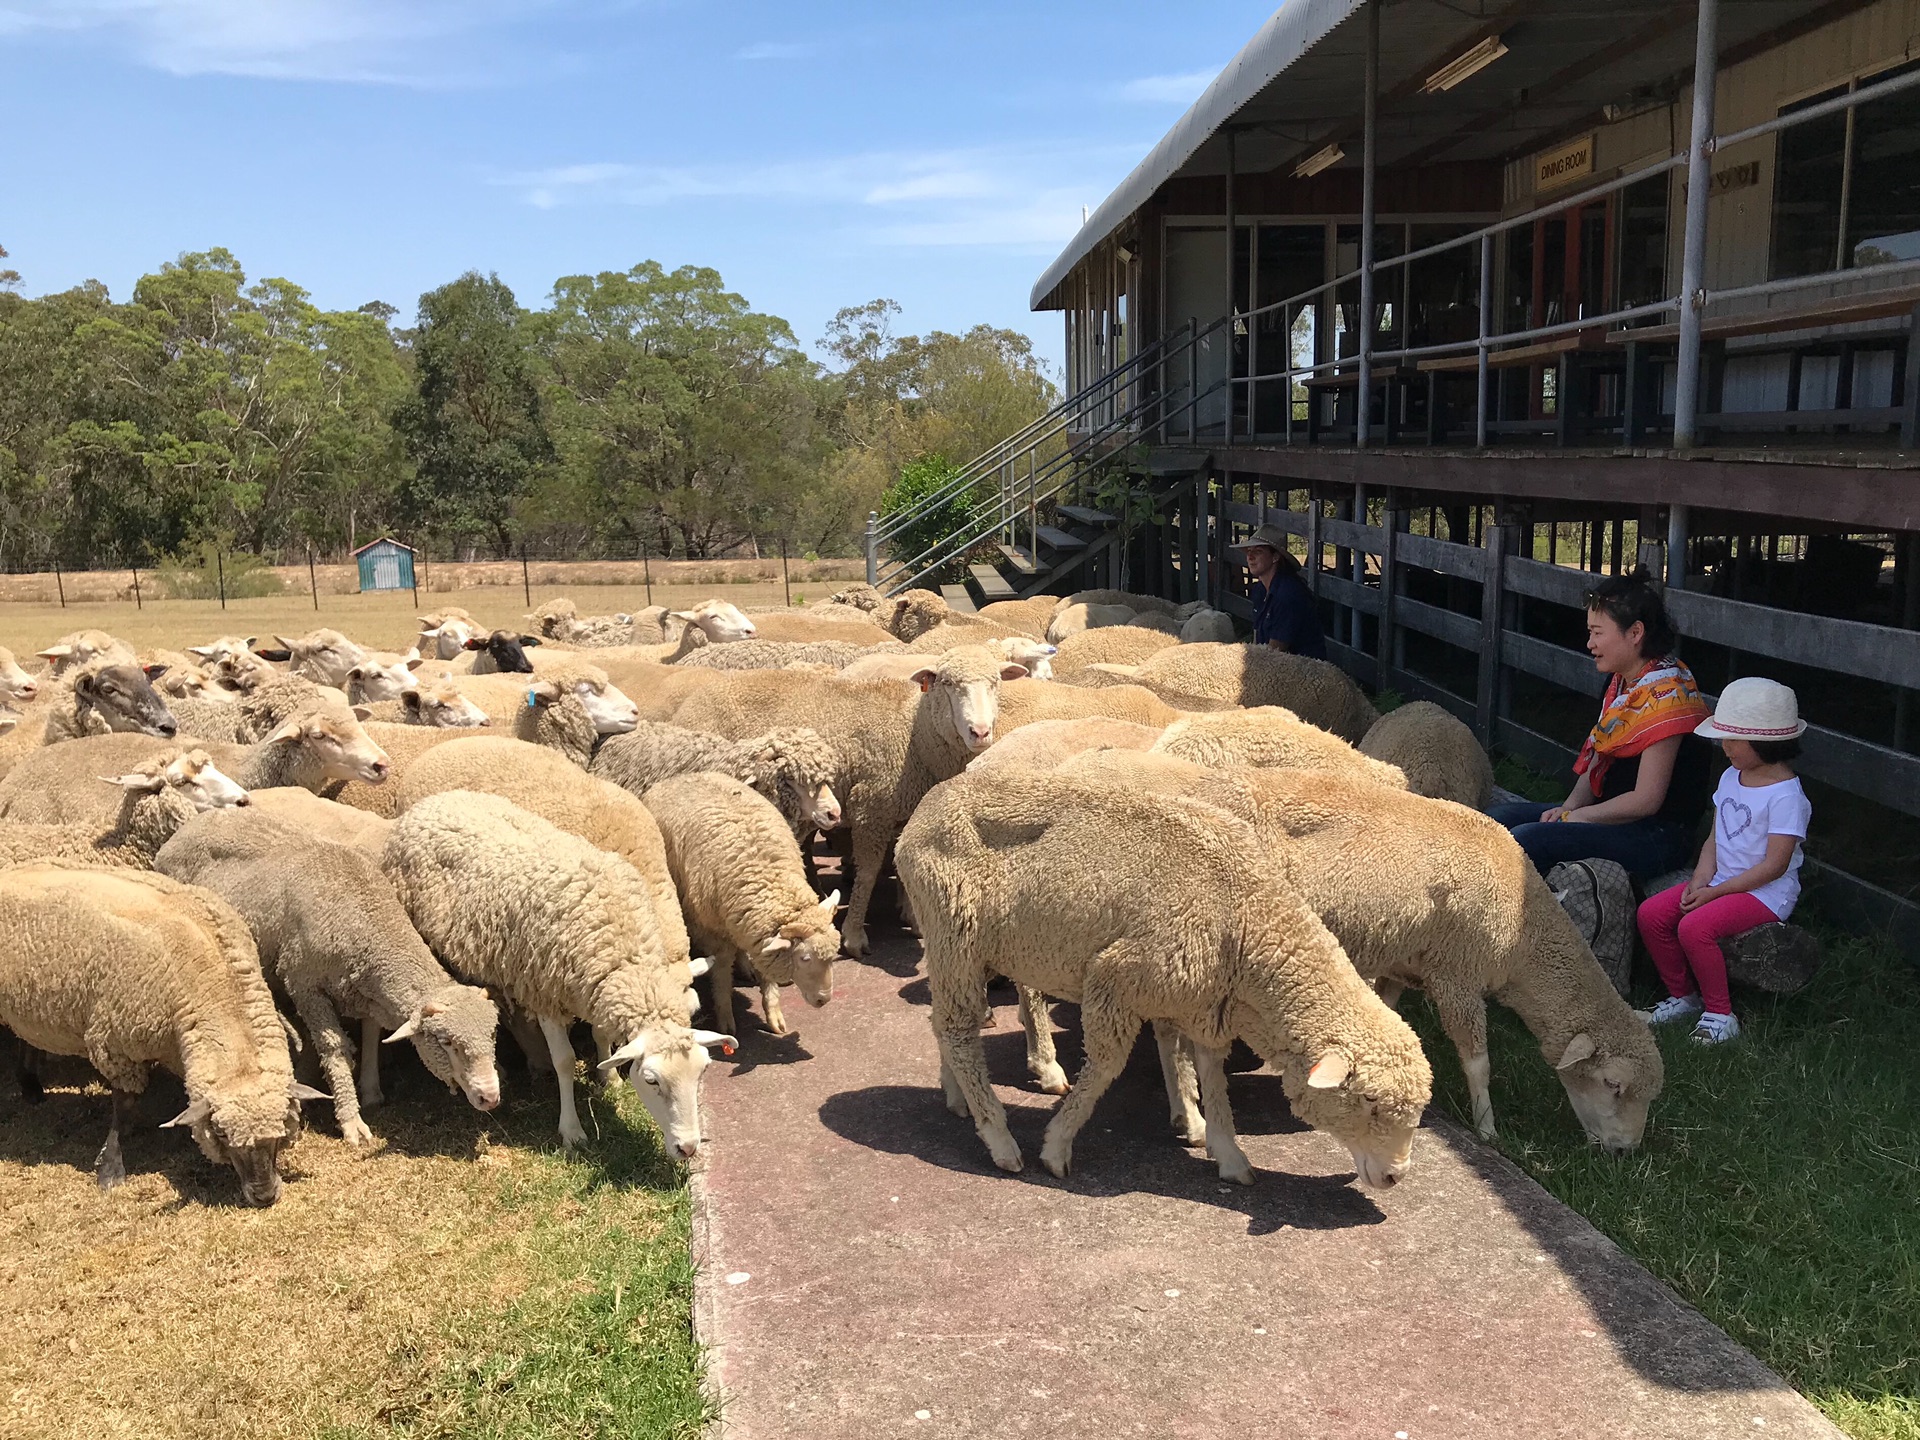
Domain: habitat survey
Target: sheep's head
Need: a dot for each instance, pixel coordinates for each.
(190, 776)
(242, 673)
(446, 633)
(720, 620)
(123, 696)
(15, 684)
(914, 612)
(1036, 655)
(1612, 1089)
(440, 703)
(324, 656)
(190, 682)
(246, 1126)
(664, 1064)
(508, 649)
(801, 953)
(963, 691)
(610, 712)
(453, 1031)
(1372, 1104)
(332, 734)
(794, 769)
(214, 651)
(381, 677)
(82, 648)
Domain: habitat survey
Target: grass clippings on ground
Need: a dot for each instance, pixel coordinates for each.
(461, 1280)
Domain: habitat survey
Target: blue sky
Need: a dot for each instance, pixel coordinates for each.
(818, 155)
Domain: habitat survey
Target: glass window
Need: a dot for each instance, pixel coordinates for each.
(1293, 259)
(1883, 211)
(1389, 240)
(1443, 292)
(1642, 228)
(1806, 191)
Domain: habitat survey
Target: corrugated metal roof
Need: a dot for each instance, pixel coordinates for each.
(1295, 27)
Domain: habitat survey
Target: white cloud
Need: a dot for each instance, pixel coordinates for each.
(778, 50)
(1009, 196)
(1168, 89)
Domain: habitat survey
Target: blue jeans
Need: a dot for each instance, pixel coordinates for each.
(1643, 848)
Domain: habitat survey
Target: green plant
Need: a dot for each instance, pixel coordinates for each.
(201, 570)
(920, 480)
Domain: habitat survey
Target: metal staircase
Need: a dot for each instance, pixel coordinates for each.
(1036, 504)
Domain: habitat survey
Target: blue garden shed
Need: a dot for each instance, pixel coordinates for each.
(385, 564)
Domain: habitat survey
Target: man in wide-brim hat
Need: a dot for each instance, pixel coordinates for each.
(1284, 614)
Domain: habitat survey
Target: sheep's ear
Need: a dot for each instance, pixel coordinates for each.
(475, 642)
(1012, 671)
(924, 677)
(297, 1091)
(413, 662)
(775, 945)
(726, 1043)
(8, 719)
(1330, 1071)
(1129, 671)
(832, 902)
(543, 692)
(405, 1032)
(205, 652)
(56, 652)
(192, 1115)
(1581, 1047)
(283, 653)
(683, 615)
(529, 640)
(358, 672)
(285, 643)
(632, 1050)
(700, 965)
(289, 730)
(151, 784)
(153, 672)
(363, 712)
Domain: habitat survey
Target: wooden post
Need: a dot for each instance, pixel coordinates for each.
(59, 584)
(1910, 619)
(646, 565)
(313, 579)
(413, 574)
(1313, 540)
(220, 569)
(526, 581)
(1390, 644)
(136, 588)
(786, 581)
(1492, 593)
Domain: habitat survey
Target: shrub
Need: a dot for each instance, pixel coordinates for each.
(194, 573)
(919, 480)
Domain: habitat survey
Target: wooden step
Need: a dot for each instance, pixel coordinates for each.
(1018, 559)
(990, 585)
(1060, 540)
(960, 598)
(1087, 516)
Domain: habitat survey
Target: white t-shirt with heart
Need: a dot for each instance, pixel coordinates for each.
(1743, 817)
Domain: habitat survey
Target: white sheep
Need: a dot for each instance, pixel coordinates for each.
(1270, 736)
(564, 930)
(331, 933)
(381, 676)
(1435, 751)
(770, 654)
(1109, 645)
(1318, 692)
(83, 646)
(1028, 616)
(155, 799)
(130, 969)
(17, 687)
(100, 696)
(1207, 627)
(1046, 744)
(1034, 656)
(323, 819)
(744, 892)
(438, 704)
(1190, 923)
(1073, 619)
(323, 656)
(892, 743)
(793, 768)
(444, 634)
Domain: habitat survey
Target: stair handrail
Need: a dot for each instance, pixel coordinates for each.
(979, 527)
(1030, 435)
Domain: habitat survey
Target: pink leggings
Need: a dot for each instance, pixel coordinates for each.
(1691, 942)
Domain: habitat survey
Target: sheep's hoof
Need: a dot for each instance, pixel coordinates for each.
(853, 940)
(108, 1168)
(1239, 1174)
(1058, 1163)
(958, 1105)
(372, 1099)
(1190, 1132)
(356, 1133)
(1006, 1154)
(1051, 1079)
(572, 1137)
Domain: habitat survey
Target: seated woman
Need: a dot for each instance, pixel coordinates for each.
(1642, 779)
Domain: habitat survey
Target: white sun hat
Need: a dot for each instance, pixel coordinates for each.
(1754, 709)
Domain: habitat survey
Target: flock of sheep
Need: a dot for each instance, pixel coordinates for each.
(1102, 798)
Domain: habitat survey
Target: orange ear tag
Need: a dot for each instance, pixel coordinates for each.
(925, 686)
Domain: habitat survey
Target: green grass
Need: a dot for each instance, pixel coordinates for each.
(599, 1343)
(1776, 1187)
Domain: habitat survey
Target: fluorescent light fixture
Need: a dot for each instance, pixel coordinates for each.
(1471, 63)
(1125, 252)
(1319, 160)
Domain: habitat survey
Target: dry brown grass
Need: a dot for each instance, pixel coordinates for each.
(384, 620)
(168, 1311)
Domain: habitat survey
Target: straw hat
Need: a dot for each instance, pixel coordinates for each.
(1754, 709)
(1271, 536)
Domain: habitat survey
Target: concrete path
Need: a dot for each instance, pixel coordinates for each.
(865, 1272)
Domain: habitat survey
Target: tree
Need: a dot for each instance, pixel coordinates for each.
(474, 426)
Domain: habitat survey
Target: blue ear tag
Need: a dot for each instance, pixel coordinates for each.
(529, 699)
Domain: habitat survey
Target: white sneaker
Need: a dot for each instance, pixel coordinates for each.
(1672, 1010)
(1716, 1030)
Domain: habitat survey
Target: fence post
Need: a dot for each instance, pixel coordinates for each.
(313, 578)
(1313, 540)
(526, 584)
(1492, 594)
(646, 568)
(786, 580)
(413, 575)
(220, 569)
(873, 554)
(1389, 647)
(60, 584)
(1486, 329)
(136, 587)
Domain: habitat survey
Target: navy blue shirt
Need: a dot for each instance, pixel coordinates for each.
(1287, 614)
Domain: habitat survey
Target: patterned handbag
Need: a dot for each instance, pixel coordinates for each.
(1598, 896)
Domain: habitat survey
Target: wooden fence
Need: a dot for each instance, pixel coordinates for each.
(1193, 524)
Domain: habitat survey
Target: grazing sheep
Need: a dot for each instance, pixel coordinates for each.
(83, 647)
(792, 768)
(157, 797)
(16, 686)
(1318, 692)
(332, 934)
(1205, 627)
(1423, 892)
(1437, 753)
(774, 654)
(1270, 737)
(1046, 744)
(1191, 924)
(323, 656)
(323, 819)
(1028, 616)
(744, 892)
(130, 969)
(381, 676)
(1109, 645)
(501, 652)
(438, 704)
(891, 744)
(565, 931)
(320, 743)
(549, 785)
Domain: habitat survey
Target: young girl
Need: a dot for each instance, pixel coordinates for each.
(1749, 870)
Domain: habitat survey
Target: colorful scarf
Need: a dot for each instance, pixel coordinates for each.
(1664, 701)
